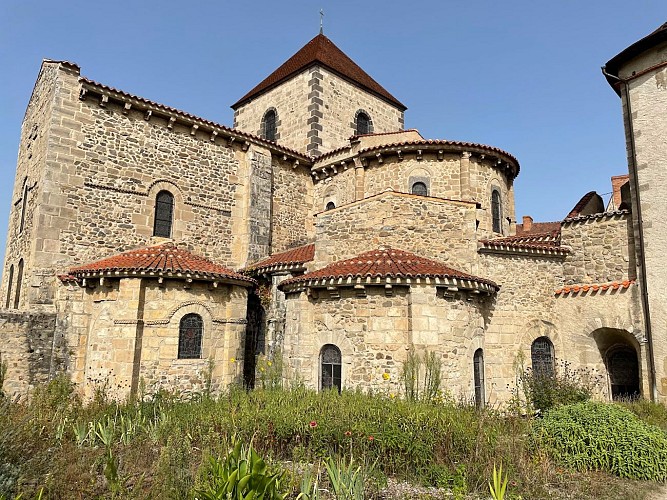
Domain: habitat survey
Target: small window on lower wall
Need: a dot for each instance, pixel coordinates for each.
(331, 364)
(478, 370)
(190, 333)
(542, 357)
(420, 189)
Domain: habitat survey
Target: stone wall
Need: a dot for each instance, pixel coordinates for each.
(375, 332)
(647, 102)
(438, 229)
(32, 157)
(292, 222)
(33, 348)
(130, 328)
(316, 111)
(602, 249)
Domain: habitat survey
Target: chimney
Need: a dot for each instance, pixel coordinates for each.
(617, 182)
(527, 223)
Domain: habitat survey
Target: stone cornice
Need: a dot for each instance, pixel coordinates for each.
(83, 278)
(388, 282)
(525, 250)
(592, 217)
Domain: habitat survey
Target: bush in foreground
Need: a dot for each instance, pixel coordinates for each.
(604, 437)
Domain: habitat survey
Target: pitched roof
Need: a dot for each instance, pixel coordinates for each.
(582, 204)
(538, 228)
(323, 51)
(165, 260)
(289, 259)
(614, 65)
(376, 266)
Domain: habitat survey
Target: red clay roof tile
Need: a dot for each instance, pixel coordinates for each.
(596, 287)
(160, 260)
(321, 50)
(384, 263)
(538, 228)
(298, 255)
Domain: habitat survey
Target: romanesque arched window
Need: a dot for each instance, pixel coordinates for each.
(542, 357)
(496, 211)
(478, 370)
(19, 279)
(330, 206)
(24, 205)
(9, 286)
(331, 364)
(420, 189)
(164, 213)
(363, 124)
(269, 125)
(190, 333)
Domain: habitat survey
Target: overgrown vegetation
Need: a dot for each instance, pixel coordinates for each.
(604, 437)
(161, 446)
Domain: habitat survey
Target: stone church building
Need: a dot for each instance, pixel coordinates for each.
(148, 246)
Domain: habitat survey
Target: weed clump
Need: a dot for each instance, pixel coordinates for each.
(604, 437)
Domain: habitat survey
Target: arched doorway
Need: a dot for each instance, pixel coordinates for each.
(619, 351)
(623, 369)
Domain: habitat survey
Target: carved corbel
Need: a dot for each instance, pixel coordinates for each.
(194, 128)
(230, 141)
(399, 153)
(295, 164)
(419, 155)
(246, 145)
(148, 115)
(172, 122)
(104, 99)
(126, 108)
(214, 134)
(441, 154)
(379, 158)
(82, 94)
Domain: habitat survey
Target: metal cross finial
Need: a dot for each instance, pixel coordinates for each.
(321, 21)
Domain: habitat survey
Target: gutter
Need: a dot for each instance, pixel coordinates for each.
(640, 226)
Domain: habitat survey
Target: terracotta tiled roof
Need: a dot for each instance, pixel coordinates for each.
(294, 257)
(547, 242)
(600, 287)
(323, 51)
(539, 228)
(166, 260)
(385, 263)
(169, 109)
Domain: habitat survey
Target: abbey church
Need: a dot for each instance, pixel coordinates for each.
(149, 247)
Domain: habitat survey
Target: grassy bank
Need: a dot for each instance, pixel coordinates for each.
(161, 447)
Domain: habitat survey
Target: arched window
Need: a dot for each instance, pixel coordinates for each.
(24, 205)
(478, 370)
(496, 211)
(269, 125)
(331, 361)
(330, 206)
(9, 286)
(164, 212)
(542, 357)
(19, 279)
(363, 124)
(420, 189)
(190, 332)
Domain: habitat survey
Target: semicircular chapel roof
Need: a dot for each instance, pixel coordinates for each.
(376, 266)
(165, 260)
(323, 51)
(294, 257)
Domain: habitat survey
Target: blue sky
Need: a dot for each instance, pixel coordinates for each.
(520, 75)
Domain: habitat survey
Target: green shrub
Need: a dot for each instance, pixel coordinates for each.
(649, 412)
(604, 437)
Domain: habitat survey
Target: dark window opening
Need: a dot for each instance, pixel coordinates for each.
(24, 203)
(363, 124)
(270, 127)
(19, 279)
(9, 286)
(478, 367)
(623, 368)
(331, 368)
(542, 357)
(164, 212)
(420, 189)
(496, 211)
(330, 206)
(190, 332)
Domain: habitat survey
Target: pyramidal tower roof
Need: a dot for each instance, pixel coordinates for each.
(321, 50)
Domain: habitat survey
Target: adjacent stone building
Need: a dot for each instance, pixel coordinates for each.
(148, 247)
